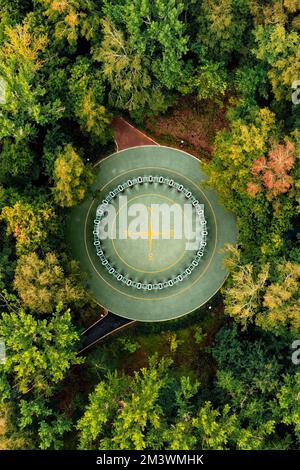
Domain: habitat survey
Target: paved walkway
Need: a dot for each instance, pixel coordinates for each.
(127, 136)
(210, 273)
(102, 328)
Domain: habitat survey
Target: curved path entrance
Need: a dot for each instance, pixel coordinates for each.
(126, 136)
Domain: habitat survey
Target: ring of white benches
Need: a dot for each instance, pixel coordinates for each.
(127, 281)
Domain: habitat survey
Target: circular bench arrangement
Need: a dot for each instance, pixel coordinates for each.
(169, 257)
(101, 212)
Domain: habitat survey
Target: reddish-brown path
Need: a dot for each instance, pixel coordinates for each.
(127, 136)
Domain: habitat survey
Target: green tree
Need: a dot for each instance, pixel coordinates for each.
(289, 398)
(42, 284)
(39, 352)
(142, 51)
(29, 224)
(20, 67)
(281, 300)
(46, 426)
(207, 429)
(223, 29)
(235, 151)
(243, 296)
(231, 172)
(86, 96)
(12, 14)
(208, 81)
(71, 177)
(267, 297)
(16, 160)
(279, 49)
(71, 20)
(124, 413)
(250, 373)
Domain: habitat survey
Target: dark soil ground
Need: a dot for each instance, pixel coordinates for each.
(189, 125)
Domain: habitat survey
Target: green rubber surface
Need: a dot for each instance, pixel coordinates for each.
(153, 258)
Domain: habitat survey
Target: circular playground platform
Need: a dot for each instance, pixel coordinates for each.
(149, 234)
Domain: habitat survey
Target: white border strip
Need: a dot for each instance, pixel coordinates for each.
(97, 321)
(142, 146)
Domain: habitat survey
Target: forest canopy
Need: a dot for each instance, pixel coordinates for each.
(66, 69)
